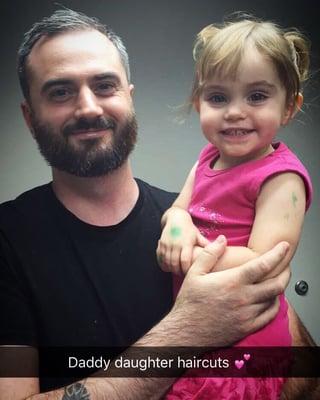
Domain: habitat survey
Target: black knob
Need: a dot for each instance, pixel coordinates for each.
(301, 288)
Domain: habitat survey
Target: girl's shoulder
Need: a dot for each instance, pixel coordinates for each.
(282, 160)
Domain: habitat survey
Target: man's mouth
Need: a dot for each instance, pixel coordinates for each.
(90, 133)
(91, 129)
(236, 132)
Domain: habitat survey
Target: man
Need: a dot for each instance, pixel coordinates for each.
(78, 264)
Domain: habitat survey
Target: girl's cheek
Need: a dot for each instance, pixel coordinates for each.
(207, 123)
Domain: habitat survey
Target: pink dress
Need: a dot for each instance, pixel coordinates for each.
(223, 202)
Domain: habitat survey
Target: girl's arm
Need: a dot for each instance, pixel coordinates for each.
(280, 210)
(184, 198)
(179, 235)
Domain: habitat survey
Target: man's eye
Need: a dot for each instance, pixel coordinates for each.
(217, 98)
(257, 97)
(105, 88)
(60, 94)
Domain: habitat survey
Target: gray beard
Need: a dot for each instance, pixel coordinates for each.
(88, 160)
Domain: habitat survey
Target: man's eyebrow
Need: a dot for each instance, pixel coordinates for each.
(55, 82)
(106, 76)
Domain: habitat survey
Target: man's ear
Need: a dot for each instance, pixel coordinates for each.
(131, 89)
(292, 109)
(26, 111)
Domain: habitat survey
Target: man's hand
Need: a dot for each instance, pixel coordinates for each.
(220, 307)
(177, 242)
(225, 306)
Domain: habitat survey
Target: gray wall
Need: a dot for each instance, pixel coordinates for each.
(159, 37)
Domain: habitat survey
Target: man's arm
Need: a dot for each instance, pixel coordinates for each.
(300, 388)
(242, 294)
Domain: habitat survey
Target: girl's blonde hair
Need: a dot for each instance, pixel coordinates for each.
(218, 51)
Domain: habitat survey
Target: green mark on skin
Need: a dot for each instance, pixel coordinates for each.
(175, 232)
(294, 199)
(286, 217)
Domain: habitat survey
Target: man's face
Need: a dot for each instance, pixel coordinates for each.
(80, 110)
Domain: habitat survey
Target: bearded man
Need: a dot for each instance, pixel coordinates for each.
(78, 264)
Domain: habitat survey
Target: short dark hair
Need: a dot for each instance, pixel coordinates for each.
(60, 21)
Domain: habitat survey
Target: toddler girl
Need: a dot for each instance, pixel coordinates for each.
(245, 186)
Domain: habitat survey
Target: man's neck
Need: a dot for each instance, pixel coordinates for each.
(102, 201)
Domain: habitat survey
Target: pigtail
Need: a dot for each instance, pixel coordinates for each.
(300, 49)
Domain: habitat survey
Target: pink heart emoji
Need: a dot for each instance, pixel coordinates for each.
(239, 363)
(247, 356)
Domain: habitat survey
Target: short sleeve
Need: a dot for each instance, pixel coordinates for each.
(279, 162)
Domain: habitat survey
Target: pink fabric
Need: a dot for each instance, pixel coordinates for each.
(223, 202)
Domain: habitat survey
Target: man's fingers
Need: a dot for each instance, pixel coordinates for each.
(257, 269)
(265, 317)
(259, 308)
(208, 257)
(195, 253)
(272, 287)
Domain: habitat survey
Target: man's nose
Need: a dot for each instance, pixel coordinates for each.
(87, 105)
(235, 110)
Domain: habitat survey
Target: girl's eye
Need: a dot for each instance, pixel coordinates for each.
(60, 94)
(217, 98)
(257, 97)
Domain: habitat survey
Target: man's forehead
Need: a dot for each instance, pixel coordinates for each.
(74, 50)
(77, 41)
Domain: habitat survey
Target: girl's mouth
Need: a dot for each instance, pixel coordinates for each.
(236, 132)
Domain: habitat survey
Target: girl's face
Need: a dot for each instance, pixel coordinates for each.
(241, 116)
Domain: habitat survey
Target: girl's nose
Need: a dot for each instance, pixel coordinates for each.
(235, 111)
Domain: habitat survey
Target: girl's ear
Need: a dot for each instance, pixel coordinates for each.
(292, 109)
(298, 105)
(196, 104)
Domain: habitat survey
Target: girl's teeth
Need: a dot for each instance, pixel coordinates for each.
(236, 132)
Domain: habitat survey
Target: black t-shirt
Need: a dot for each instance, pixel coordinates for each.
(64, 282)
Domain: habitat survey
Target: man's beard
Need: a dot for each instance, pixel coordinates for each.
(86, 158)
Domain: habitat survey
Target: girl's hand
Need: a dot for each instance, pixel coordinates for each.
(177, 242)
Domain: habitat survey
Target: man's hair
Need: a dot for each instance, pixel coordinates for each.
(61, 21)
